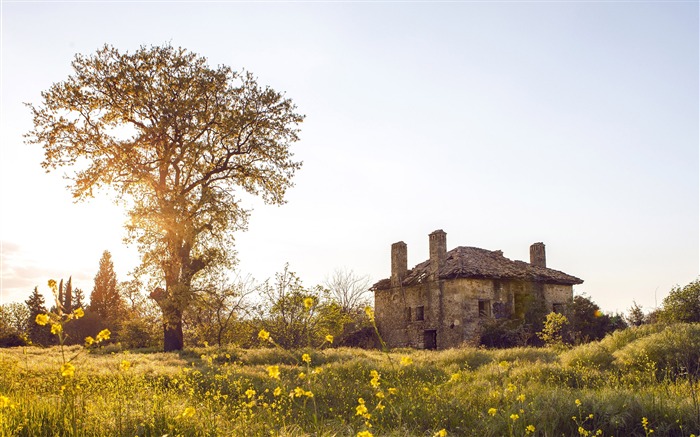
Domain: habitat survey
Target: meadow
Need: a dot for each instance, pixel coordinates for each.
(637, 382)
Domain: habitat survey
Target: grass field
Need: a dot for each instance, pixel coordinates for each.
(641, 381)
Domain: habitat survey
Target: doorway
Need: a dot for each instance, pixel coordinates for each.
(430, 339)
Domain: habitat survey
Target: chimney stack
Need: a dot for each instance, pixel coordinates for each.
(537, 256)
(399, 263)
(438, 252)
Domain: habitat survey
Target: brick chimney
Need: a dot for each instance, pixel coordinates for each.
(399, 263)
(537, 256)
(438, 252)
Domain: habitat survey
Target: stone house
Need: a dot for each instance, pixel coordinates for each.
(443, 301)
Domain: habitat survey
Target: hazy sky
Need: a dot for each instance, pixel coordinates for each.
(504, 124)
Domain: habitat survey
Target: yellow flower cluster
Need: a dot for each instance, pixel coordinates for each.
(308, 302)
(67, 370)
(374, 382)
(274, 372)
(264, 335)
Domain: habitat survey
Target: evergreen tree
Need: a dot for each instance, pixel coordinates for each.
(37, 334)
(68, 296)
(60, 295)
(105, 300)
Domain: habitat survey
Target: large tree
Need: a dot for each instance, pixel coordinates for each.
(175, 139)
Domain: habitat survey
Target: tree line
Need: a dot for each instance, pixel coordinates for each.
(225, 310)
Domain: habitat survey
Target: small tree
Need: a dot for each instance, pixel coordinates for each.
(216, 310)
(553, 329)
(36, 305)
(296, 316)
(349, 290)
(14, 324)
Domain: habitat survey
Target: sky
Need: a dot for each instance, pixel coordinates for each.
(503, 123)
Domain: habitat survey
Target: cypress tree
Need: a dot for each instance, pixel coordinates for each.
(68, 296)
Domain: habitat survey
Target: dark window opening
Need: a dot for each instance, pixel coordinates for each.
(419, 313)
(484, 308)
(407, 314)
(558, 308)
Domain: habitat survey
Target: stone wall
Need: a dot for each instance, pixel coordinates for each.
(454, 309)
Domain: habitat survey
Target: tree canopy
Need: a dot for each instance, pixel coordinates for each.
(682, 304)
(175, 139)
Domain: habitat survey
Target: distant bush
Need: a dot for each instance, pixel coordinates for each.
(12, 339)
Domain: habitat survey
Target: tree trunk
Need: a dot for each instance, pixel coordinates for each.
(172, 331)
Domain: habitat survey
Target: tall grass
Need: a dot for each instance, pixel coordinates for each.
(625, 385)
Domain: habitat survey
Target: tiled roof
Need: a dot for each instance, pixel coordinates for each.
(473, 262)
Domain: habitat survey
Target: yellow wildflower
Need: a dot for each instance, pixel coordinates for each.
(298, 392)
(250, 393)
(578, 402)
(374, 382)
(103, 335)
(79, 313)
(370, 313)
(67, 370)
(406, 361)
(392, 390)
(264, 335)
(89, 341)
(361, 409)
(125, 365)
(529, 429)
(492, 411)
(308, 302)
(306, 358)
(188, 412)
(521, 397)
(277, 392)
(274, 372)
(329, 338)
(365, 434)
(42, 319)
(441, 433)
(52, 285)
(380, 394)
(514, 417)
(511, 388)
(4, 401)
(302, 375)
(56, 328)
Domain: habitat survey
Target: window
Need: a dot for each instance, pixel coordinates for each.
(484, 308)
(407, 314)
(419, 313)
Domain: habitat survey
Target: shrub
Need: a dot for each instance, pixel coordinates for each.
(594, 355)
(672, 352)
